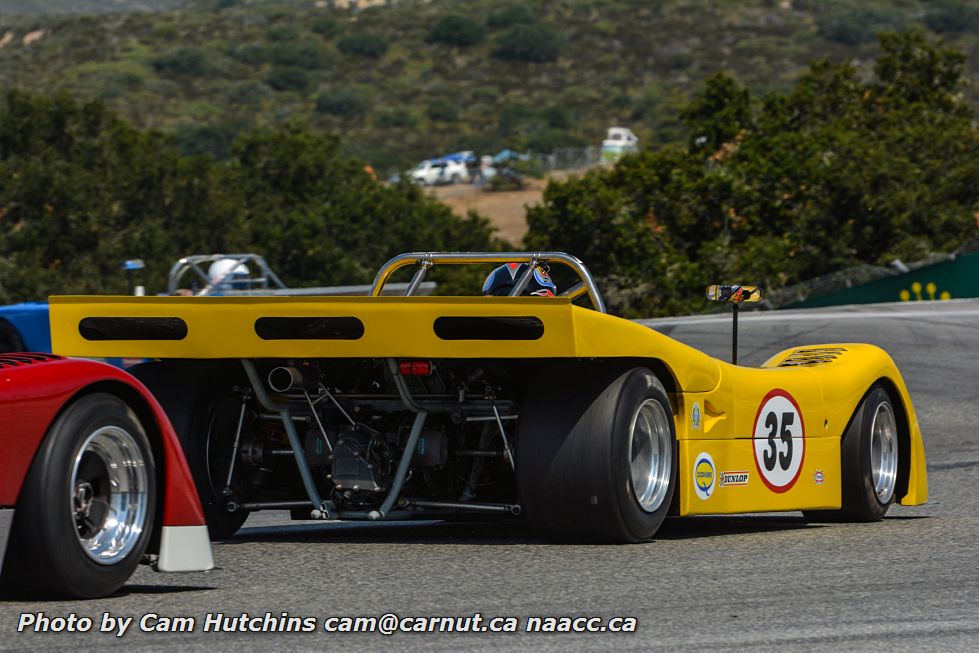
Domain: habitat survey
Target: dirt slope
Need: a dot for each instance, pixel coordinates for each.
(506, 209)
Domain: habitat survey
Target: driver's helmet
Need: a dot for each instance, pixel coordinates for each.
(501, 281)
(227, 273)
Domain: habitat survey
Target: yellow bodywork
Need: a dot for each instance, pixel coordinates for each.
(716, 405)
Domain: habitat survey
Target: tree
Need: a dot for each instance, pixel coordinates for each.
(82, 190)
(721, 112)
(323, 220)
(833, 173)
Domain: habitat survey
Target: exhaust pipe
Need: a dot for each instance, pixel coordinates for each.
(287, 377)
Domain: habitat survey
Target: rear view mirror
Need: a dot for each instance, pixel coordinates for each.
(734, 294)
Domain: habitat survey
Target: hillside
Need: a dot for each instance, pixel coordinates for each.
(403, 82)
(51, 7)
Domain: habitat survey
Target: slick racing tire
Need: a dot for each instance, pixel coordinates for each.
(209, 450)
(869, 456)
(88, 504)
(597, 455)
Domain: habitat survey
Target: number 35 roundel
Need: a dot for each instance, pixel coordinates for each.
(779, 440)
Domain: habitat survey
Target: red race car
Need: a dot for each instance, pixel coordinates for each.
(92, 480)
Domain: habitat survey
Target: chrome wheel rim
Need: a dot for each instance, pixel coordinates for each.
(883, 452)
(109, 494)
(650, 455)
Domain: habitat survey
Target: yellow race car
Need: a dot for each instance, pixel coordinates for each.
(592, 427)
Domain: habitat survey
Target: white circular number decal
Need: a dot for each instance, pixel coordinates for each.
(779, 440)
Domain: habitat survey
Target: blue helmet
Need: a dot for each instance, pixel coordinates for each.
(501, 281)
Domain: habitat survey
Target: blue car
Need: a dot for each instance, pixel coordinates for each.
(25, 327)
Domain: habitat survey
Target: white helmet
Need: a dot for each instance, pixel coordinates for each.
(225, 270)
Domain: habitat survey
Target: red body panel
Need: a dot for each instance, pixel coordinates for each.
(31, 397)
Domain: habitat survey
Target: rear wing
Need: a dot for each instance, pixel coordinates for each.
(315, 327)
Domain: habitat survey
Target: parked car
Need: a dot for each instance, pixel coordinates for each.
(450, 169)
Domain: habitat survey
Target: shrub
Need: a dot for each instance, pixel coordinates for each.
(254, 54)
(853, 26)
(442, 110)
(363, 44)
(453, 29)
(512, 117)
(326, 26)
(529, 43)
(506, 179)
(508, 16)
(557, 116)
(213, 140)
(398, 118)
(248, 92)
(548, 140)
(951, 17)
(345, 102)
(302, 54)
(281, 33)
(188, 62)
(287, 78)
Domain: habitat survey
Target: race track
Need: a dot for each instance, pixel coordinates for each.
(767, 582)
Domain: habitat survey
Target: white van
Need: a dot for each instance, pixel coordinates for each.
(618, 141)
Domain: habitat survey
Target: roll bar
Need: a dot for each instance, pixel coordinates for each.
(424, 260)
(198, 265)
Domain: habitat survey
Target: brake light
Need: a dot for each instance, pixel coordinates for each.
(415, 368)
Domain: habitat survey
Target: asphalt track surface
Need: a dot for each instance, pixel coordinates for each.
(760, 582)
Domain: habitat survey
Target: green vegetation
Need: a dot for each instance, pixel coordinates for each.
(83, 190)
(783, 187)
(454, 29)
(604, 62)
(363, 44)
(346, 102)
(508, 16)
(216, 128)
(530, 43)
(39, 7)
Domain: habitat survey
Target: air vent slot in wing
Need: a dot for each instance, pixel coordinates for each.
(309, 328)
(504, 327)
(132, 328)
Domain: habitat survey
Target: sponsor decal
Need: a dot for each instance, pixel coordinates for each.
(819, 477)
(729, 479)
(779, 441)
(695, 417)
(703, 475)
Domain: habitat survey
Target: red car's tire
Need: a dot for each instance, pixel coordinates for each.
(88, 504)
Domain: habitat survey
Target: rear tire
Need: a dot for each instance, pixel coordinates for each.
(208, 450)
(87, 507)
(597, 455)
(869, 457)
